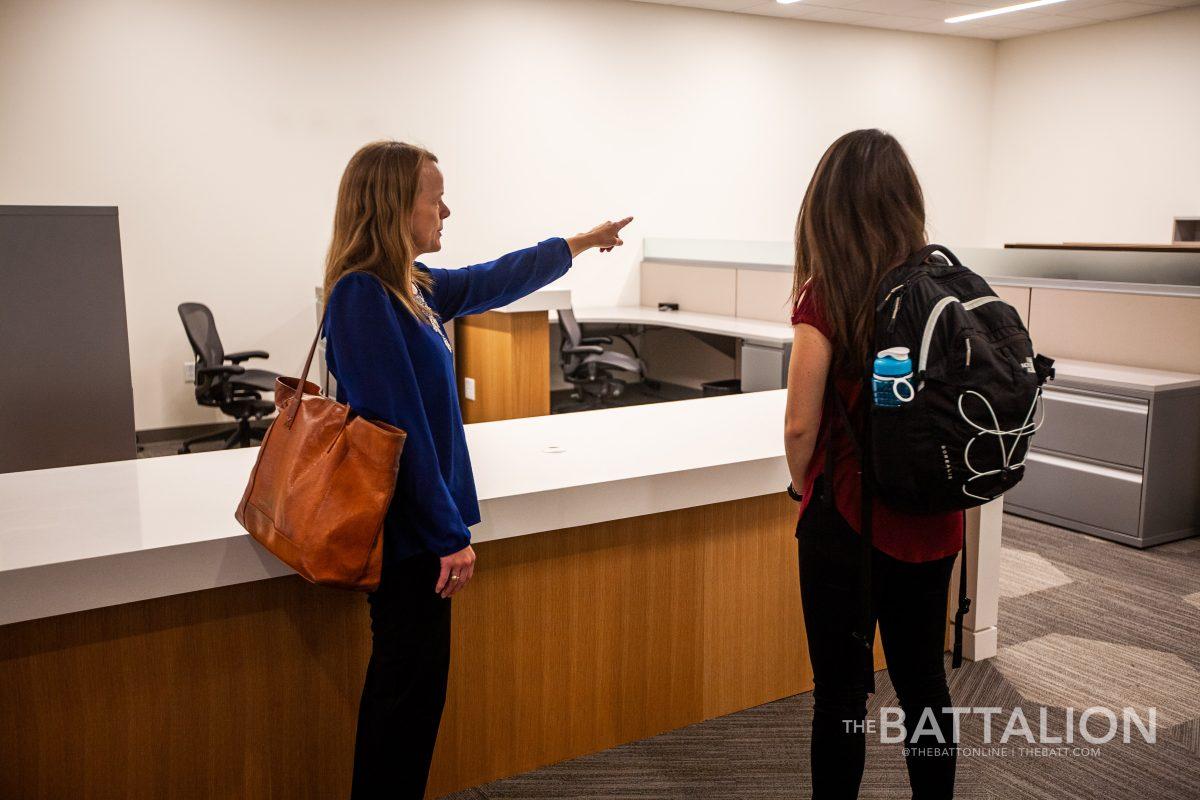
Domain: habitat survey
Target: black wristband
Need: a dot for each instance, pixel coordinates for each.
(792, 493)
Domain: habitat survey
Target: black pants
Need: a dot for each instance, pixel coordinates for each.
(405, 688)
(909, 603)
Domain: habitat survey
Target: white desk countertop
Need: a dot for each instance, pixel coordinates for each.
(1092, 374)
(84, 537)
(751, 330)
(541, 300)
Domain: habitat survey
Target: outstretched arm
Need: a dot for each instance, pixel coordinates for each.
(482, 287)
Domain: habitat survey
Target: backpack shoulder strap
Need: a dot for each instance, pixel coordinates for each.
(964, 602)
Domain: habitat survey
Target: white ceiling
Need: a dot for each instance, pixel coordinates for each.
(926, 16)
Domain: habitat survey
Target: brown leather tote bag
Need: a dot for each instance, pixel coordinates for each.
(321, 486)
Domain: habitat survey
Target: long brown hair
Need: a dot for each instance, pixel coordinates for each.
(371, 230)
(862, 215)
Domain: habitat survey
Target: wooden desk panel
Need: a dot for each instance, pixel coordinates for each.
(508, 355)
(631, 628)
(567, 642)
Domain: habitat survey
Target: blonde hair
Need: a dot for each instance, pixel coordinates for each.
(371, 224)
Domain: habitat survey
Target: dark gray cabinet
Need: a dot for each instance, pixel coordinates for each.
(64, 344)
(1118, 454)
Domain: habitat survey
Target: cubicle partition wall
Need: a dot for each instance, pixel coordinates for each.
(64, 344)
(1135, 308)
(751, 292)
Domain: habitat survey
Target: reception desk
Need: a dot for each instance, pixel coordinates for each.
(637, 573)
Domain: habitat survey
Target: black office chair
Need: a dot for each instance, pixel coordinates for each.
(587, 365)
(237, 391)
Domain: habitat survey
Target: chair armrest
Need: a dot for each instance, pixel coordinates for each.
(245, 355)
(585, 349)
(224, 369)
(596, 340)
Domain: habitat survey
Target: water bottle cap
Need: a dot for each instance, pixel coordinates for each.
(898, 353)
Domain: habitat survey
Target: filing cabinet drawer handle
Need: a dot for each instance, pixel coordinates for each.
(1128, 406)
(1081, 466)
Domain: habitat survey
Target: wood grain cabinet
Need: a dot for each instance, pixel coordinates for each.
(1118, 454)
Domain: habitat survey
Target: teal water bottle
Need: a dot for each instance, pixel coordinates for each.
(892, 377)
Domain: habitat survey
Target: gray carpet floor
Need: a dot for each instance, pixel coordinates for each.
(1083, 622)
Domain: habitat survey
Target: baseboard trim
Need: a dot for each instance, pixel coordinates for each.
(180, 432)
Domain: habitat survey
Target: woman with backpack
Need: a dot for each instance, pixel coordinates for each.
(862, 216)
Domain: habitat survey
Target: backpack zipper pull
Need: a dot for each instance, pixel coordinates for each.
(900, 287)
(968, 351)
(895, 311)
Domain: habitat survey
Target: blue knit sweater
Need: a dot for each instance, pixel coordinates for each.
(393, 367)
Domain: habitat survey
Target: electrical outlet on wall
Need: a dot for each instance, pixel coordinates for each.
(189, 372)
(469, 388)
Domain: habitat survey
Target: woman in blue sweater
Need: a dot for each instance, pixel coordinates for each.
(386, 347)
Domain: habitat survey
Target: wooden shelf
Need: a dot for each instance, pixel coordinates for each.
(1119, 248)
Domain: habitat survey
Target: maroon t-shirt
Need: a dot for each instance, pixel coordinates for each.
(908, 537)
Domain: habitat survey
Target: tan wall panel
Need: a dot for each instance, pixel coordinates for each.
(1017, 297)
(1135, 330)
(705, 290)
(763, 294)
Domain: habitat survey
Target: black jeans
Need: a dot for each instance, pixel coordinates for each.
(909, 602)
(405, 688)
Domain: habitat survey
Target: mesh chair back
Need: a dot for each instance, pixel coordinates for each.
(202, 333)
(206, 344)
(572, 335)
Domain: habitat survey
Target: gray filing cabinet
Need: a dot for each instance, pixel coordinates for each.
(1118, 454)
(764, 367)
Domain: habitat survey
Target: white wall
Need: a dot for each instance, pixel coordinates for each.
(220, 128)
(1096, 132)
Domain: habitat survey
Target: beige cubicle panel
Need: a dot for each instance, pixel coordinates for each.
(764, 294)
(703, 290)
(1017, 297)
(1137, 330)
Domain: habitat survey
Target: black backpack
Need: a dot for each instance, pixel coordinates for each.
(961, 441)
